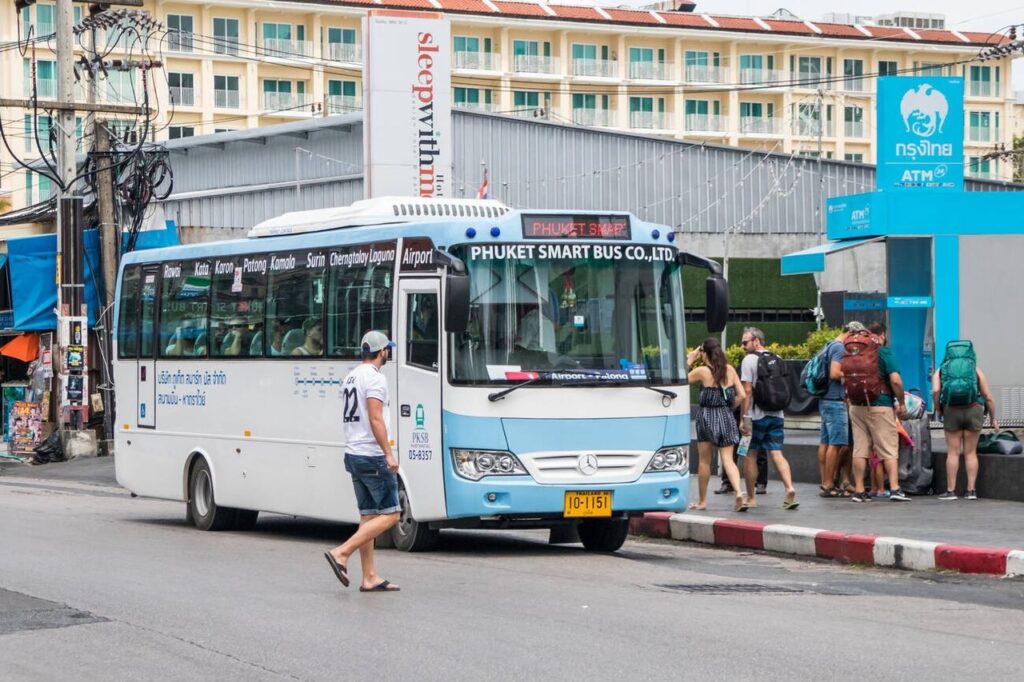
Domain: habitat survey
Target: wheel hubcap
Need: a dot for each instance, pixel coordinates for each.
(203, 493)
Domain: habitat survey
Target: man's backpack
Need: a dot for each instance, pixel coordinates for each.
(771, 390)
(815, 375)
(958, 375)
(862, 377)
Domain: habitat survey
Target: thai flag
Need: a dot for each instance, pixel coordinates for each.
(484, 188)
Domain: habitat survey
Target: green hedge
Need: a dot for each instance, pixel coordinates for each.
(754, 283)
(787, 333)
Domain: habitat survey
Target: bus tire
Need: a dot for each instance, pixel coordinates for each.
(245, 519)
(604, 535)
(410, 535)
(202, 506)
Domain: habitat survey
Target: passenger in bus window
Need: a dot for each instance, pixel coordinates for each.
(235, 339)
(425, 320)
(183, 343)
(314, 340)
(277, 340)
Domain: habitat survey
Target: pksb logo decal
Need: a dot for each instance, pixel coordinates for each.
(924, 110)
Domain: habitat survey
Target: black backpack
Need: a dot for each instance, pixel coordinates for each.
(771, 390)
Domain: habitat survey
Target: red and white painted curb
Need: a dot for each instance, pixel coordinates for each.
(850, 548)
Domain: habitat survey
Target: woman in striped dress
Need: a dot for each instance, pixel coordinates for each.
(716, 425)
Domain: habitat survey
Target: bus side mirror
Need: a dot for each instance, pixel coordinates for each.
(717, 306)
(456, 302)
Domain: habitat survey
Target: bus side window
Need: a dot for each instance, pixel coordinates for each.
(298, 305)
(236, 310)
(184, 304)
(422, 331)
(359, 301)
(128, 314)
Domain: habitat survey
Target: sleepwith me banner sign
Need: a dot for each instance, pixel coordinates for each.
(407, 140)
(920, 133)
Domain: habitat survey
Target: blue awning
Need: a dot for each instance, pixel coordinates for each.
(154, 239)
(33, 267)
(813, 259)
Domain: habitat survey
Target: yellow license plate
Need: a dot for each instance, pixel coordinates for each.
(588, 503)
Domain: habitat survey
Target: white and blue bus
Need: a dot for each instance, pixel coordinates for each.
(539, 377)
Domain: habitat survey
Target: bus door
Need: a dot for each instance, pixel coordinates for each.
(145, 372)
(418, 357)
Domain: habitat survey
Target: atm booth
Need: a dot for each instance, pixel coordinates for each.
(954, 270)
(954, 259)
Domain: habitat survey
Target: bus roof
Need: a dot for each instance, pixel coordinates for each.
(379, 211)
(375, 220)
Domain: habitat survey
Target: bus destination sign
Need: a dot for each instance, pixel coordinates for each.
(576, 227)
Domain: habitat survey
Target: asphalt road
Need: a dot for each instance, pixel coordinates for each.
(95, 585)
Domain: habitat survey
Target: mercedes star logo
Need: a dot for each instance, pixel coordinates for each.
(587, 464)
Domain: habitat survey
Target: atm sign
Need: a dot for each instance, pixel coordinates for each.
(576, 227)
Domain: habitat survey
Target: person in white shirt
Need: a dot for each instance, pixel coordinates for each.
(766, 428)
(371, 462)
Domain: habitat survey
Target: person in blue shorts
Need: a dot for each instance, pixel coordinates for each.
(767, 428)
(835, 416)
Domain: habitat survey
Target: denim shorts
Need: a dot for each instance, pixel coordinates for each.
(767, 433)
(835, 422)
(376, 487)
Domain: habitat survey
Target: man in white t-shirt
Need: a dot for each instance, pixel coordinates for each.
(765, 428)
(371, 462)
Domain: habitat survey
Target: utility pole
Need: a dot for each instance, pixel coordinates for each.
(109, 249)
(72, 332)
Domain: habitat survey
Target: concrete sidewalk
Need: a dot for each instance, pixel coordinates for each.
(926, 533)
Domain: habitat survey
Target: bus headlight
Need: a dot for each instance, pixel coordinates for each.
(673, 458)
(475, 464)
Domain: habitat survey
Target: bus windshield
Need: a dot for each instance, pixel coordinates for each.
(571, 313)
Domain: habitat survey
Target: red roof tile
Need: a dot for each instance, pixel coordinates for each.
(522, 9)
(789, 26)
(575, 12)
(684, 19)
(466, 6)
(627, 16)
(839, 30)
(890, 32)
(738, 24)
(412, 4)
(530, 10)
(982, 38)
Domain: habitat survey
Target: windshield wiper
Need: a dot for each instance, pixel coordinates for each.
(499, 395)
(672, 395)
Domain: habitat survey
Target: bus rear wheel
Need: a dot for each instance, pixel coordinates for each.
(410, 535)
(202, 506)
(604, 535)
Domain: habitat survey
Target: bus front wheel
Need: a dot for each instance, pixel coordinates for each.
(202, 507)
(604, 535)
(408, 534)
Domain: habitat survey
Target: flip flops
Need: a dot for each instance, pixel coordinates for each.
(384, 586)
(741, 504)
(340, 571)
(789, 505)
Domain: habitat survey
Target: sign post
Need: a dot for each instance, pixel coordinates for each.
(407, 122)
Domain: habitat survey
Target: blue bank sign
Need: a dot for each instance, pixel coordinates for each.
(920, 133)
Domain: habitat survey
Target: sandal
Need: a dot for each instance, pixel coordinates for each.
(741, 504)
(789, 505)
(828, 492)
(384, 586)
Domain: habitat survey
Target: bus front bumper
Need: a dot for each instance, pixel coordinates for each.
(523, 496)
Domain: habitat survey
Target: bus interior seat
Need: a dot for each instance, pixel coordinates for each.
(292, 340)
(256, 347)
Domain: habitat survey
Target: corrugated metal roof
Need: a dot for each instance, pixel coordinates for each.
(237, 179)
